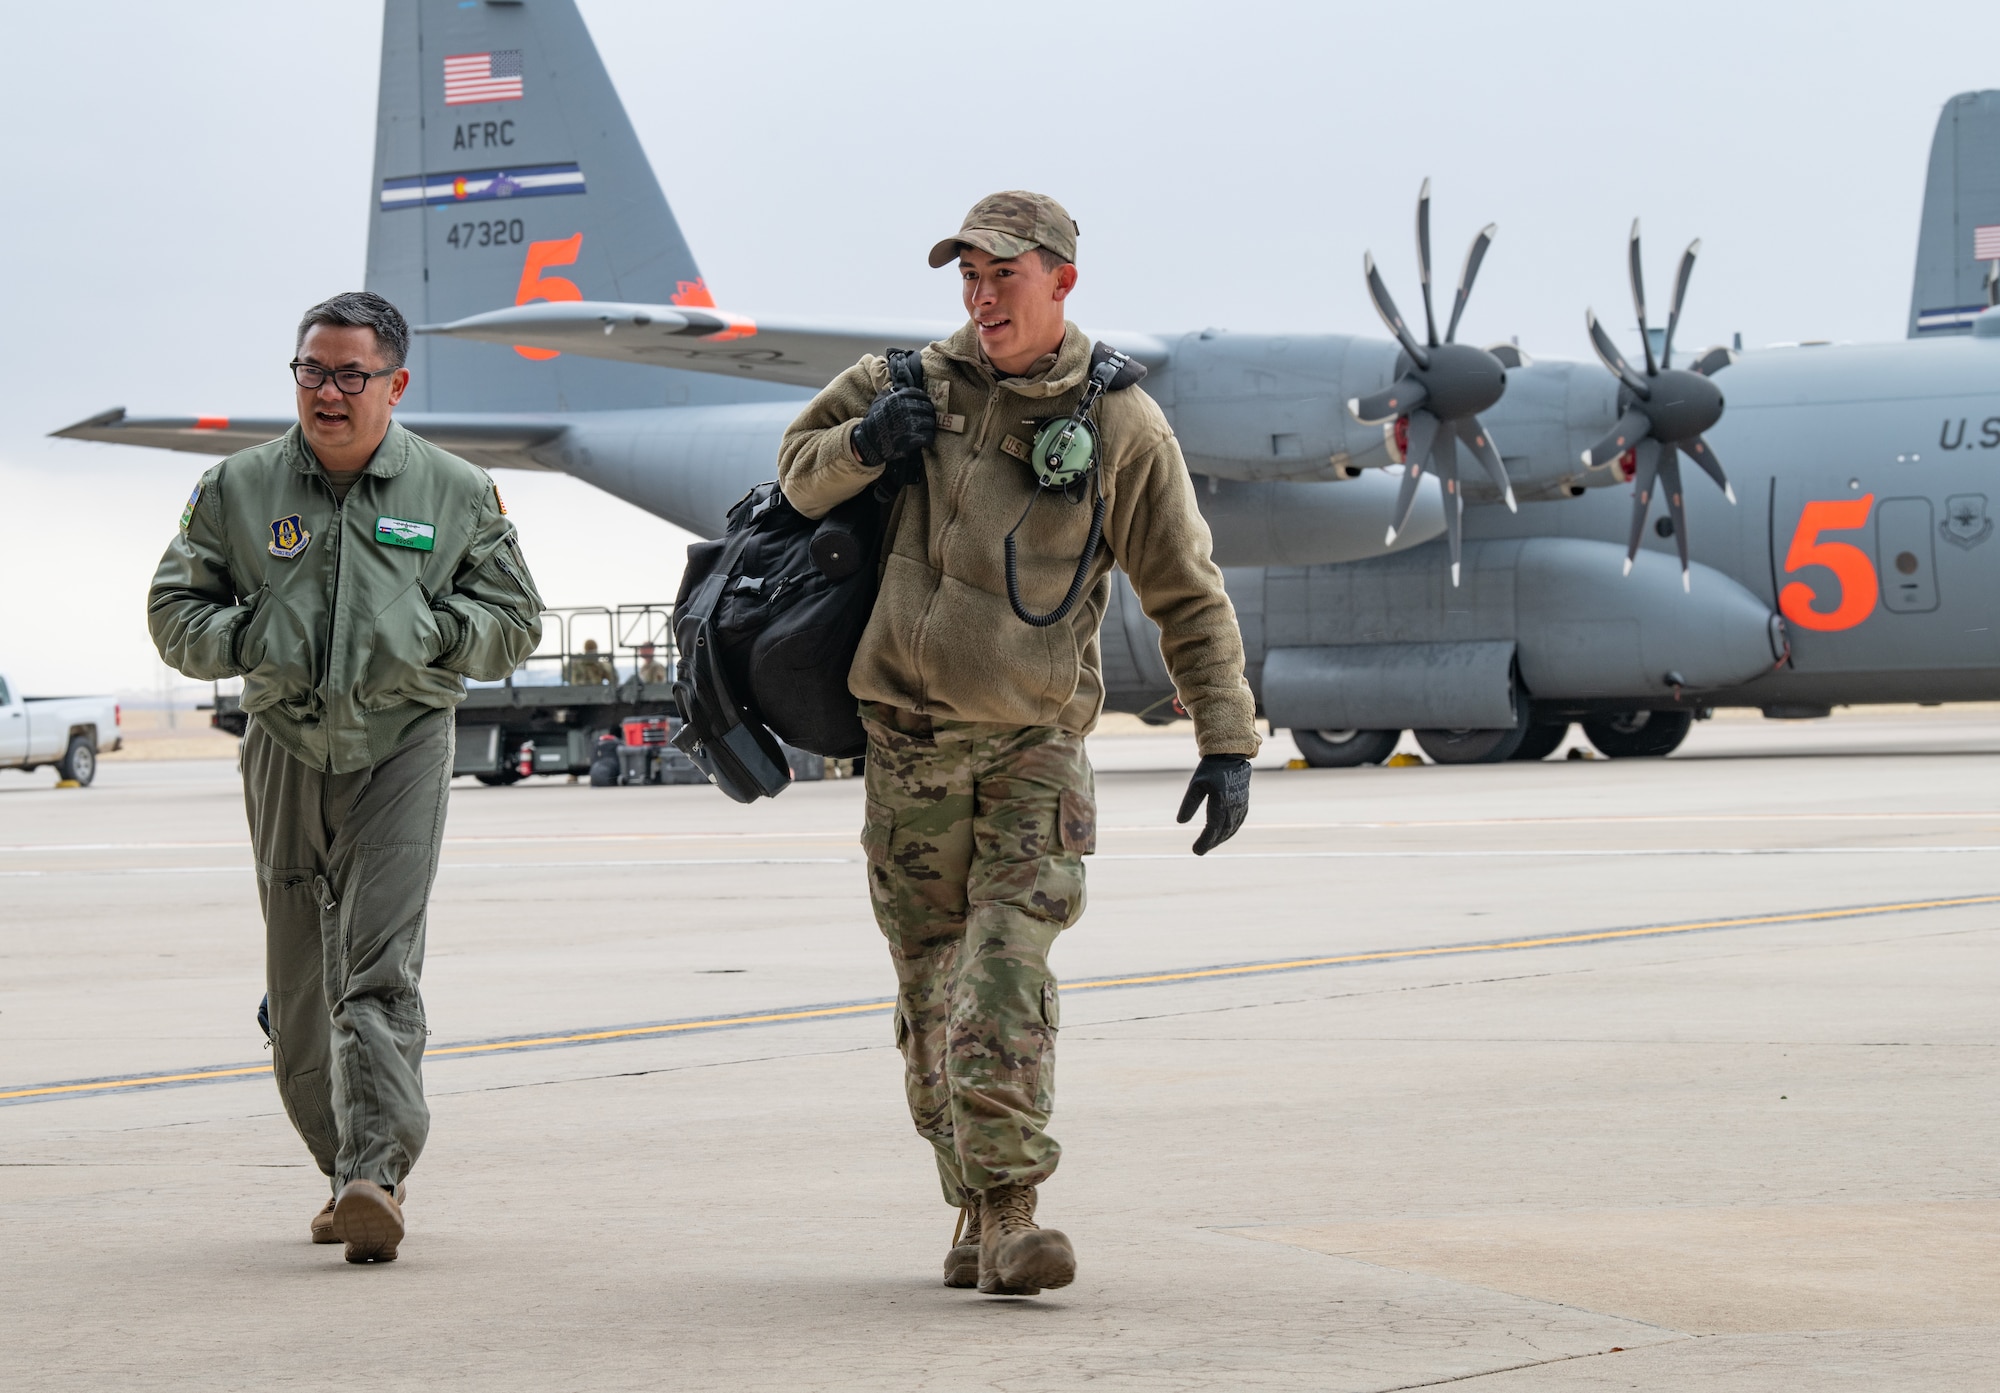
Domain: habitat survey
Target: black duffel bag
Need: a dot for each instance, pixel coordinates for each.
(767, 623)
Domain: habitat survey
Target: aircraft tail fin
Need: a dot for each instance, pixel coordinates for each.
(507, 172)
(1958, 246)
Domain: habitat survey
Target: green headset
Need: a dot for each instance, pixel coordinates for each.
(1064, 454)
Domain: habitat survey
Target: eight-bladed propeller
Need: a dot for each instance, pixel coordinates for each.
(1660, 416)
(1440, 387)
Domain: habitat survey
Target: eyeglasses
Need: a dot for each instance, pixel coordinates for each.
(351, 381)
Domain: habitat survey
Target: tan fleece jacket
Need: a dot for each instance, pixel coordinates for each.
(942, 639)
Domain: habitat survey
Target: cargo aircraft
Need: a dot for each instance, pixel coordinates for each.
(1831, 543)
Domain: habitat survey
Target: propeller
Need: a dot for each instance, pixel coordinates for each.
(1440, 387)
(1662, 413)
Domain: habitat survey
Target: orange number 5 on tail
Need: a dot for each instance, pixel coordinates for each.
(536, 286)
(1850, 566)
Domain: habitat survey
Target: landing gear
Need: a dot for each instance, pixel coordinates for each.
(1541, 740)
(1639, 734)
(1345, 749)
(500, 779)
(1478, 746)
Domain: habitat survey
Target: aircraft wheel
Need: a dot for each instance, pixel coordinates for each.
(1478, 746)
(80, 761)
(1345, 749)
(1639, 734)
(500, 780)
(1541, 740)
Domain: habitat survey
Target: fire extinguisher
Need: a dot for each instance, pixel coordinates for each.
(527, 766)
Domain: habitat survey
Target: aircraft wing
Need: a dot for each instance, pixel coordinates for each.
(490, 441)
(800, 352)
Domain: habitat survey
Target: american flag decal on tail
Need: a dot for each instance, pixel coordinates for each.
(1986, 243)
(483, 77)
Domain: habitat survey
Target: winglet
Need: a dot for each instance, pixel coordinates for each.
(102, 419)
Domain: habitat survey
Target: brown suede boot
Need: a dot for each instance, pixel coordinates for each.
(322, 1224)
(961, 1264)
(1017, 1258)
(368, 1220)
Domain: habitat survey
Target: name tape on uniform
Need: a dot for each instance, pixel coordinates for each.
(400, 532)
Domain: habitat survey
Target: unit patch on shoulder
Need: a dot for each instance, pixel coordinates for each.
(289, 537)
(400, 532)
(187, 513)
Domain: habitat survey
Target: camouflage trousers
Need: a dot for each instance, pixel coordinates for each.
(975, 837)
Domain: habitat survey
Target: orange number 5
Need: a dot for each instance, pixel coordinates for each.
(536, 286)
(1850, 566)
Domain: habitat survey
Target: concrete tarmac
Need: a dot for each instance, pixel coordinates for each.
(1576, 1075)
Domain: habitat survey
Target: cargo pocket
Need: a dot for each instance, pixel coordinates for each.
(293, 952)
(1058, 893)
(878, 826)
(1079, 822)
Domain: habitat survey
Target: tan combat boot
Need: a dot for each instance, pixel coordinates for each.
(961, 1264)
(322, 1224)
(1017, 1258)
(368, 1220)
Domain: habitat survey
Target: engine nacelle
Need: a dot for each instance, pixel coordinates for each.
(1259, 407)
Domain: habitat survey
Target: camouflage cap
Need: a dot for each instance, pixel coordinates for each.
(1008, 224)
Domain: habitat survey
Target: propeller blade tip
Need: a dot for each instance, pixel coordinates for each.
(1354, 407)
(1685, 589)
(1512, 507)
(1389, 539)
(1729, 493)
(1586, 460)
(1635, 230)
(1694, 247)
(1425, 191)
(1454, 575)
(1628, 566)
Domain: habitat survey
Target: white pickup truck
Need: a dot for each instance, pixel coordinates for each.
(64, 731)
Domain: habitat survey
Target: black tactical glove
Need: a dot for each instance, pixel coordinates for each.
(1224, 780)
(898, 425)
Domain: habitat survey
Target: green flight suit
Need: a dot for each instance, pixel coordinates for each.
(354, 623)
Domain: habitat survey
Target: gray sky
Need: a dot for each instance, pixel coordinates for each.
(187, 178)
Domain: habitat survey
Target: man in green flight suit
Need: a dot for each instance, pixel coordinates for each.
(353, 576)
(980, 798)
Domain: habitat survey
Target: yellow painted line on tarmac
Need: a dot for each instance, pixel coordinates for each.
(138, 1081)
(1551, 941)
(588, 1037)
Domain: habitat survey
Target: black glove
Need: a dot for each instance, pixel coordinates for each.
(1224, 780)
(898, 425)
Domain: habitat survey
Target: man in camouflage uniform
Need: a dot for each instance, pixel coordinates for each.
(980, 800)
(353, 575)
(589, 669)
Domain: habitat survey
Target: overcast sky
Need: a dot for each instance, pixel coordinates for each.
(186, 178)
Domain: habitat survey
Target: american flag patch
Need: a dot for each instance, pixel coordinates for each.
(1986, 243)
(483, 77)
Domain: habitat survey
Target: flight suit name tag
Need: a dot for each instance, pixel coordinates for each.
(400, 532)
